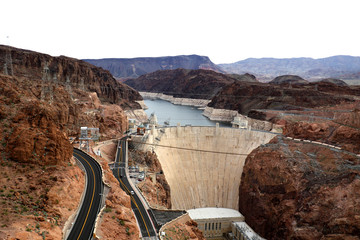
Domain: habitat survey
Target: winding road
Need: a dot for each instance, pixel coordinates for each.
(146, 226)
(84, 224)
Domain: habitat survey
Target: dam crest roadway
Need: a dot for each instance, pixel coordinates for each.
(202, 165)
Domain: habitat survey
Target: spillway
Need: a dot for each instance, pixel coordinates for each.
(203, 165)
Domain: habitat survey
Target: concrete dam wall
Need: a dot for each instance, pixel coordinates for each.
(203, 165)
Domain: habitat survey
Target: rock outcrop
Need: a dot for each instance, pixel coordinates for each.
(182, 228)
(307, 188)
(156, 192)
(33, 131)
(125, 68)
(67, 72)
(301, 190)
(334, 81)
(244, 77)
(182, 83)
(288, 79)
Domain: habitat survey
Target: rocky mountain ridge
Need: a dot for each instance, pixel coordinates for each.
(343, 67)
(124, 68)
(67, 72)
(182, 83)
(247, 97)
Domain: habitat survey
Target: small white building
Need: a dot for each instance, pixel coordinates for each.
(132, 123)
(215, 222)
(239, 122)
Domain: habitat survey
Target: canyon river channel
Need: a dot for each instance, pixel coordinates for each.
(185, 115)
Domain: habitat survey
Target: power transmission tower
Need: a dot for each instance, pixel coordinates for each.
(8, 67)
(68, 86)
(46, 89)
(55, 80)
(87, 134)
(82, 85)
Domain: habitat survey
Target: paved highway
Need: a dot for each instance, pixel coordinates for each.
(84, 225)
(142, 216)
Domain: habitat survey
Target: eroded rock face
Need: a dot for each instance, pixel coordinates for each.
(67, 71)
(32, 130)
(38, 200)
(298, 190)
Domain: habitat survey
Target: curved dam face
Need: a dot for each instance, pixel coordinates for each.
(203, 165)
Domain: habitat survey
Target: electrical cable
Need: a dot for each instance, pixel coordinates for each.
(226, 153)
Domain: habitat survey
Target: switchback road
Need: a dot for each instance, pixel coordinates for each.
(84, 225)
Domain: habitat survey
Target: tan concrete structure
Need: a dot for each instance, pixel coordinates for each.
(203, 165)
(242, 231)
(215, 222)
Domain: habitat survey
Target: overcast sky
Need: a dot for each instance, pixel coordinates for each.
(225, 30)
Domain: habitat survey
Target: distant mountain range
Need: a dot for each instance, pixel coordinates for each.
(125, 68)
(265, 69)
(343, 67)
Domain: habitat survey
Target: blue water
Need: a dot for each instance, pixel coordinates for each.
(178, 114)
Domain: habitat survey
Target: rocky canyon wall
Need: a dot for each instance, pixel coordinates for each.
(301, 190)
(68, 72)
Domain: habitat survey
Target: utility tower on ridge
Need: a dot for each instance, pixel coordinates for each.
(68, 86)
(87, 134)
(8, 67)
(82, 85)
(47, 85)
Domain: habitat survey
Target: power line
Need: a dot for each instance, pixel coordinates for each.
(190, 149)
(226, 153)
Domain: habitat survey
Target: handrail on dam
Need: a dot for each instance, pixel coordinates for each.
(243, 129)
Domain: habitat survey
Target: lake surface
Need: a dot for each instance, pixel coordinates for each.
(165, 110)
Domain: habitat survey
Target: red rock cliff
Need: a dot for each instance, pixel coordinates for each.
(80, 74)
(298, 190)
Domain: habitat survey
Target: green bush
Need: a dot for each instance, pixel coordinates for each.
(107, 209)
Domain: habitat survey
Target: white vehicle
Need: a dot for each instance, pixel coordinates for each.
(132, 192)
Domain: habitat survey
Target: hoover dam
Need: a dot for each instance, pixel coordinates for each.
(203, 165)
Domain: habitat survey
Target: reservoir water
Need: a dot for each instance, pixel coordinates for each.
(184, 115)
